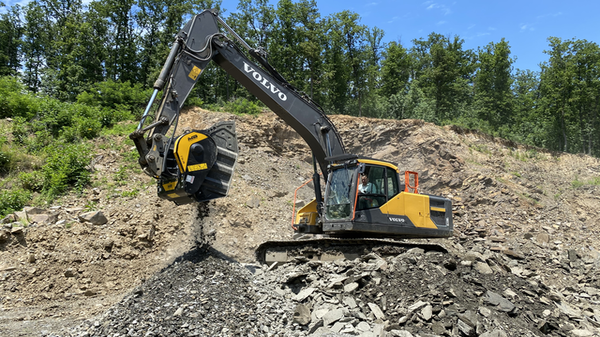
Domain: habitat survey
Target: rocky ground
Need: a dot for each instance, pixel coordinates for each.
(524, 260)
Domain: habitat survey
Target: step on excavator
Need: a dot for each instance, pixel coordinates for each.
(367, 204)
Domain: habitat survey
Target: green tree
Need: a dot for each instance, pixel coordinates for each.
(11, 31)
(311, 47)
(529, 124)
(587, 93)
(492, 85)
(254, 21)
(36, 44)
(353, 37)
(285, 54)
(64, 73)
(445, 71)
(395, 70)
(121, 61)
(556, 89)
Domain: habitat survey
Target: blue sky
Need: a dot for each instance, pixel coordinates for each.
(525, 24)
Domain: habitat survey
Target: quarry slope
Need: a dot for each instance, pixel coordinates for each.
(523, 261)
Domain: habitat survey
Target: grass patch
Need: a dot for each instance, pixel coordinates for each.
(130, 194)
(481, 148)
(502, 180)
(579, 183)
(524, 156)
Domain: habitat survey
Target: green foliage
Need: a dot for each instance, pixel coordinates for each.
(5, 160)
(444, 70)
(13, 200)
(14, 159)
(15, 101)
(121, 100)
(492, 84)
(32, 181)
(576, 183)
(240, 106)
(395, 70)
(57, 120)
(481, 148)
(579, 183)
(131, 193)
(10, 40)
(120, 129)
(193, 101)
(65, 168)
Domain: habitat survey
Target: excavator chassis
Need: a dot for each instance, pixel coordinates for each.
(331, 249)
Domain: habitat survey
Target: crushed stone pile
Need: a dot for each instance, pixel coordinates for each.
(416, 293)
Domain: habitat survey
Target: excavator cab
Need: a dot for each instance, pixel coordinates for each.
(365, 197)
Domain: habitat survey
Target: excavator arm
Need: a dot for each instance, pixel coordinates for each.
(196, 45)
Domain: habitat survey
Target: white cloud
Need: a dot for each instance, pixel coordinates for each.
(442, 8)
(527, 27)
(552, 15)
(394, 19)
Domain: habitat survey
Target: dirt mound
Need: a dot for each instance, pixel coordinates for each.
(523, 217)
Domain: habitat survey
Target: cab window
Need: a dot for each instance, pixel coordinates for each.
(372, 188)
(391, 183)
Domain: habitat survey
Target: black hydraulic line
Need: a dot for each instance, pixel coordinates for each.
(317, 181)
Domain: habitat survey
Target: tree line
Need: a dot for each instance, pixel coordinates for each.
(65, 49)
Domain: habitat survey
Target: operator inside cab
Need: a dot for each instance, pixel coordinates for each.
(369, 195)
(365, 186)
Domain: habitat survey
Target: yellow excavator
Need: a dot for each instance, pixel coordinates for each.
(198, 165)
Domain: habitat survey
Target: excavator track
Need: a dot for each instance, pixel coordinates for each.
(331, 249)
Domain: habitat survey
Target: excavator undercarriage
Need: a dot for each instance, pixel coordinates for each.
(332, 249)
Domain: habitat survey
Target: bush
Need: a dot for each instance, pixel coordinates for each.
(15, 101)
(4, 161)
(32, 181)
(110, 117)
(242, 106)
(123, 97)
(13, 200)
(20, 130)
(193, 101)
(66, 166)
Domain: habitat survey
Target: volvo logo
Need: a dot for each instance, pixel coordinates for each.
(260, 79)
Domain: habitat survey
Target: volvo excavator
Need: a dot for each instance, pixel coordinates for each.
(198, 165)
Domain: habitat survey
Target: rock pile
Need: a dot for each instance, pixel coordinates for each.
(416, 293)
